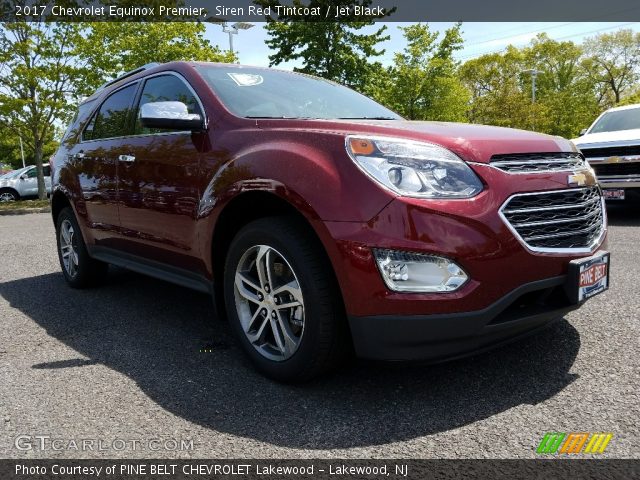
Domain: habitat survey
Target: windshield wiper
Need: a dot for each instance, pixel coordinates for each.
(368, 118)
(281, 117)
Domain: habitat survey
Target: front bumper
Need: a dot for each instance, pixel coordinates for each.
(445, 336)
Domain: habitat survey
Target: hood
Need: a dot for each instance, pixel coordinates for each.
(605, 137)
(476, 143)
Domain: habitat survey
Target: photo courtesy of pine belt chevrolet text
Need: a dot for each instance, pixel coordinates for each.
(323, 224)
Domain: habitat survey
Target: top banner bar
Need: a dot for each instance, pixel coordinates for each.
(218, 11)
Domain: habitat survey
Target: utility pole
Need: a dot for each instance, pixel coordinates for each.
(534, 75)
(22, 152)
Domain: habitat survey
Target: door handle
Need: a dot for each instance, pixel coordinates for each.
(127, 158)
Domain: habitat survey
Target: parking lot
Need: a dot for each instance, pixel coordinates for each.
(140, 360)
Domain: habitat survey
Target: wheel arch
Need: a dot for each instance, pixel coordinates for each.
(59, 201)
(253, 205)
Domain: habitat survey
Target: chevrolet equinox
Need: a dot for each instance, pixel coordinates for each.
(320, 221)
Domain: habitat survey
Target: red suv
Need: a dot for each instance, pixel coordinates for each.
(322, 221)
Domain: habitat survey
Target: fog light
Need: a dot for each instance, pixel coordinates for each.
(416, 272)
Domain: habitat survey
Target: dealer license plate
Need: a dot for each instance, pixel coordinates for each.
(613, 194)
(589, 276)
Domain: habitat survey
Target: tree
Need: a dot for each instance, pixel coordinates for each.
(497, 94)
(422, 83)
(570, 96)
(46, 68)
(613, 60)
(332, 50)
(112, 48)
(39, 82)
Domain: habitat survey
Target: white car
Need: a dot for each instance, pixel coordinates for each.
(612, 147)
(23, 183)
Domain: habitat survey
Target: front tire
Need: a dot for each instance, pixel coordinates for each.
(283, 302)
(8, 195)
(78, 268)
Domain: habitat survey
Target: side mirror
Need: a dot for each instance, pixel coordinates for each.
(583, 131)
(23, 176)
(170, 115)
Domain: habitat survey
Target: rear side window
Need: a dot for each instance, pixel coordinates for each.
(112, 119)
(165, 88)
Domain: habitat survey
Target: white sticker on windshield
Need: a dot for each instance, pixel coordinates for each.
(246, 79)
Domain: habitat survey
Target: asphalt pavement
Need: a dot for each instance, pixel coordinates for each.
(139, 368)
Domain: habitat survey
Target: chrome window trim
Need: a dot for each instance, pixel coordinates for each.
(143, 80)
(558, 251)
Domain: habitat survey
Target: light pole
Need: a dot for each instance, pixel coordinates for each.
(22, 152)
(233, 30)
(534, 74)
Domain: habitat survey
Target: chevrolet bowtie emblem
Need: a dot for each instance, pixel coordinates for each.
(577, 180)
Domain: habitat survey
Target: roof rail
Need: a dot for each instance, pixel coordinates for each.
(129, 73)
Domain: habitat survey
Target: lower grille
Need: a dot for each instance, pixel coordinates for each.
(538, 162)
(616, 169)
(558, 220)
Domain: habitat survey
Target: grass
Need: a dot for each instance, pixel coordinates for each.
(24, 204)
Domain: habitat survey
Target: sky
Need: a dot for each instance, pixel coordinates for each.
(480, 37)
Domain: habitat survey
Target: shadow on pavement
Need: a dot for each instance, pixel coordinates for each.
(163, 337)
(624, 213)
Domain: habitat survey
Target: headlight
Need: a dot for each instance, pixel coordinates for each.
(413, 169)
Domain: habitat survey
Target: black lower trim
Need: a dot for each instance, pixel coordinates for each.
(443, 336)
(152, 268)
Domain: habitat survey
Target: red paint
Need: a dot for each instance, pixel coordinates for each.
(165, 207)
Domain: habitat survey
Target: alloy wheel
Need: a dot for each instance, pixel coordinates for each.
(7, 197)
(69, 248)
(269, 302)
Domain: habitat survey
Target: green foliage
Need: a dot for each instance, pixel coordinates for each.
(613, 61)
(46, 68)
(422, 83)
(38, 82)
(568, 97)
(332, 50)
(111, 48)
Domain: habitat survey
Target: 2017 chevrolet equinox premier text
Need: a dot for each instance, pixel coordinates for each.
(322, 221)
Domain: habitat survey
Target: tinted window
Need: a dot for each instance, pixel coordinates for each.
(166, 88)
(33, 173)
(264, 93)
(112, 118)
(619, 120)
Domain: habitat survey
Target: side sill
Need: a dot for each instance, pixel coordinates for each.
(151, 268)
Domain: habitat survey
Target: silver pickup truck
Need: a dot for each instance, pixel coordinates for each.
(612, 147)
(23, 183)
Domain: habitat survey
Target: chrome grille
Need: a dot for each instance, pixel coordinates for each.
(538, 162)
(559, 220)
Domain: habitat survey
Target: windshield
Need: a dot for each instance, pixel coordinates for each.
(14, 174)
(618, 120)
(262, 93)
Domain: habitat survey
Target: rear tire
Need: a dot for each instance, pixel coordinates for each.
(283, 302)
(78, 268)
